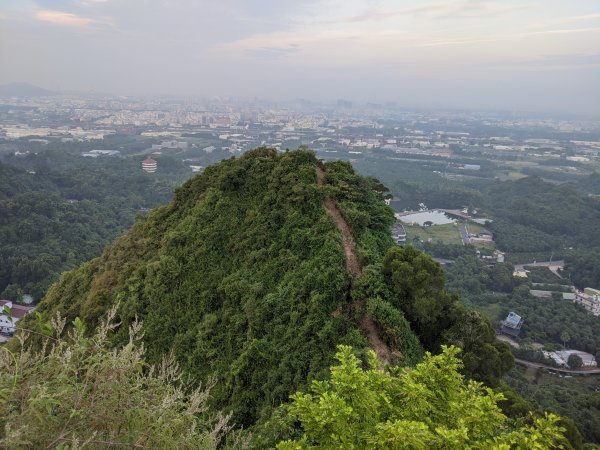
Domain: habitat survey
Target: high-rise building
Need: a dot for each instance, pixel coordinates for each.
(149, 165)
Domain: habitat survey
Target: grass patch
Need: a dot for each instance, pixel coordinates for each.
(484, 247)
(541, 274)
(448, 233)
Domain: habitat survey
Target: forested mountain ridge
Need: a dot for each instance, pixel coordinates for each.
(243, 276)
(238, 276)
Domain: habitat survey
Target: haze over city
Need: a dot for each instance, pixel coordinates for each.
(512, 55)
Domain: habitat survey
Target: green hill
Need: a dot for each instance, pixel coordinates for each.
(239, 277)
(259, 268)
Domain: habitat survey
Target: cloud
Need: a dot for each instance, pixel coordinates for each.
(63, 18)
(476, 10)
(457, 9)
(273, 52)
(583, 17)
(368, 44)
(506, 37)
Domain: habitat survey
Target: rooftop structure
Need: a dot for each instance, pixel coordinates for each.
(512, 324)
(9, 322)
(589, 299)
(562, 357)
(149, 165)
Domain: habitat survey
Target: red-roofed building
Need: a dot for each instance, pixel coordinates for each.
(8, 323)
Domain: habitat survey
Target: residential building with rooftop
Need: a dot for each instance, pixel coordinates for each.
(511, 326)
(589, 299)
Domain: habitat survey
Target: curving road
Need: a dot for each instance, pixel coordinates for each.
(555, 369)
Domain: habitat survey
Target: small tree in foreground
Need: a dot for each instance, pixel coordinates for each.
(430, 406)
(76, 392)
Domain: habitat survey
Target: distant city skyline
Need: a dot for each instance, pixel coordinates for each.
(507, 55)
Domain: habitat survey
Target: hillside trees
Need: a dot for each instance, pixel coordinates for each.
(239, 276)
(51, 220)
(583, 268)
(418, 286)
(243, 276)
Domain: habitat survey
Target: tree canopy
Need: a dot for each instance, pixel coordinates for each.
(430, 406)
(239, 276)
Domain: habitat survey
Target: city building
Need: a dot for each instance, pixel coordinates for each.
(589, 299)
(149, 165)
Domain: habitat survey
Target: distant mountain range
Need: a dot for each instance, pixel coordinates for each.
(23, 90)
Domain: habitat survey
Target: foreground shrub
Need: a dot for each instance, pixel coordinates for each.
(430, 406)
(77, 392)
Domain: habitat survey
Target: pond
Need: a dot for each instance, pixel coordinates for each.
(435, 217)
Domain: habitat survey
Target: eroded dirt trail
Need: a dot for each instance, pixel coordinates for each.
(384, 355)
(352, 264)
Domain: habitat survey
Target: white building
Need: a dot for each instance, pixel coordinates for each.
(589, 299)
(562, 357)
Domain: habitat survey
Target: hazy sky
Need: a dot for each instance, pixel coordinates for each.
(516, 55)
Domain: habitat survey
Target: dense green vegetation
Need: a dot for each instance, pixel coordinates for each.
(575, 397)
(532, 218)
(429, 407)
(582, 267)
(359, 199)
(552, 322)
(58, 210)
(238, 277)
(469, 275)
(542, 216)
(79, 392)
(418, 289)
(243, 277)
(546, 319)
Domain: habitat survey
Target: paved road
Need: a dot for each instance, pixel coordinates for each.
(464, 234)
(554, 369)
